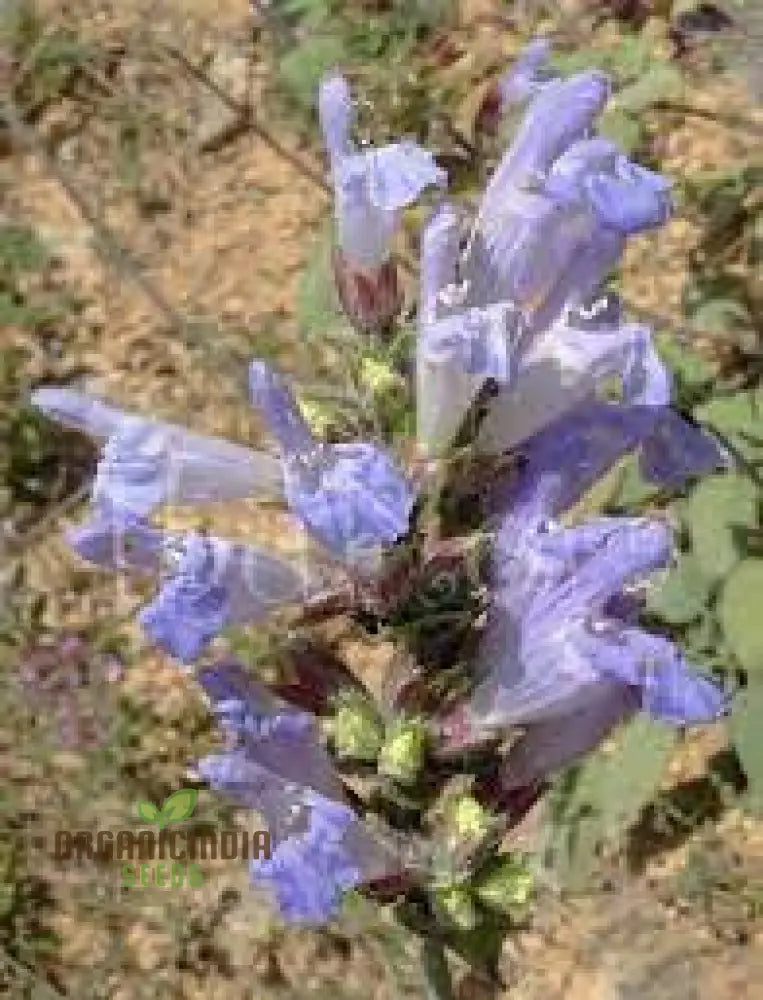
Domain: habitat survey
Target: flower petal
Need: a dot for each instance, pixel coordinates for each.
(550, 744)
(633, 200)
(398, 173)
(336, 115)
(119, 543)
(454, 357)
(561, 113)
(146, 463)
(527, 75)
(351, 497)
(439, 259)
(670, 690)
(271, 395)
(216, 584)
(275, 735)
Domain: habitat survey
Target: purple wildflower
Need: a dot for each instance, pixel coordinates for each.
(279, 768)
(583, 445)
(350, 497)
(146, 463)
(310, 870)
(371, 187)
(550, 642)
(555, 214)
(215, 584)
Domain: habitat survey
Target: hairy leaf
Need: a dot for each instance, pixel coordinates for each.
(747, 736)
(741, 613)
(716, 510)
(683, 596)
(599, 799)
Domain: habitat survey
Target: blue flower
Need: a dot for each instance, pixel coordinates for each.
(584, 444)
(275, 735)
(214, 584)
(119, 541)
(570, 364)
(457, 348)
(370, 186)
(350, 497)
(280, 769)
(515, 306)
(146, 463)
(552, 639)
(309, 870)
(554, 217)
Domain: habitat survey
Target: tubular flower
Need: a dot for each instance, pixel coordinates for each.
(371, 187)
(552, 639)
(278, 766)
(351, 497)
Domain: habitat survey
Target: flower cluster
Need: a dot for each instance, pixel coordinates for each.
(518, 346)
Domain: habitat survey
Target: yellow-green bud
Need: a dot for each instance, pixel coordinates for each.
(356, 730)
(319, 416)
(379, 377)
(404, 751)
(507, 886)
(467, 819)
(456, 905)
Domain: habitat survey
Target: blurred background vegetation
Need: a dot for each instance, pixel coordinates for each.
(163, 216)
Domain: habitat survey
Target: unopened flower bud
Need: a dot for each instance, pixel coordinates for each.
(404, 750)
(456, 905)
(506, 886)
(467, 820)
(370, 299)
(356, 730)
(380, 378)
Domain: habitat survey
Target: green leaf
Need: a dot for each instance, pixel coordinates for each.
(632, 489)
(178, 806)
(317, 309)
(738, 417)
(721, 315)
(693, 372)
(683, 596)
(741, 613)
(302, 69)
(717, 506)
(747, 736)
(662, 80)
(623, 128)
(148, 812)
(598, 800)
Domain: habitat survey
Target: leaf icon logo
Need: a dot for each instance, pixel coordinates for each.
(176, 808)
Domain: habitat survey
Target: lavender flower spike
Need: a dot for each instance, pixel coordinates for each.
(351, 497)
(146, 463)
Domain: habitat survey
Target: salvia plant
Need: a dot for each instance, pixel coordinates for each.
(452, 529)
